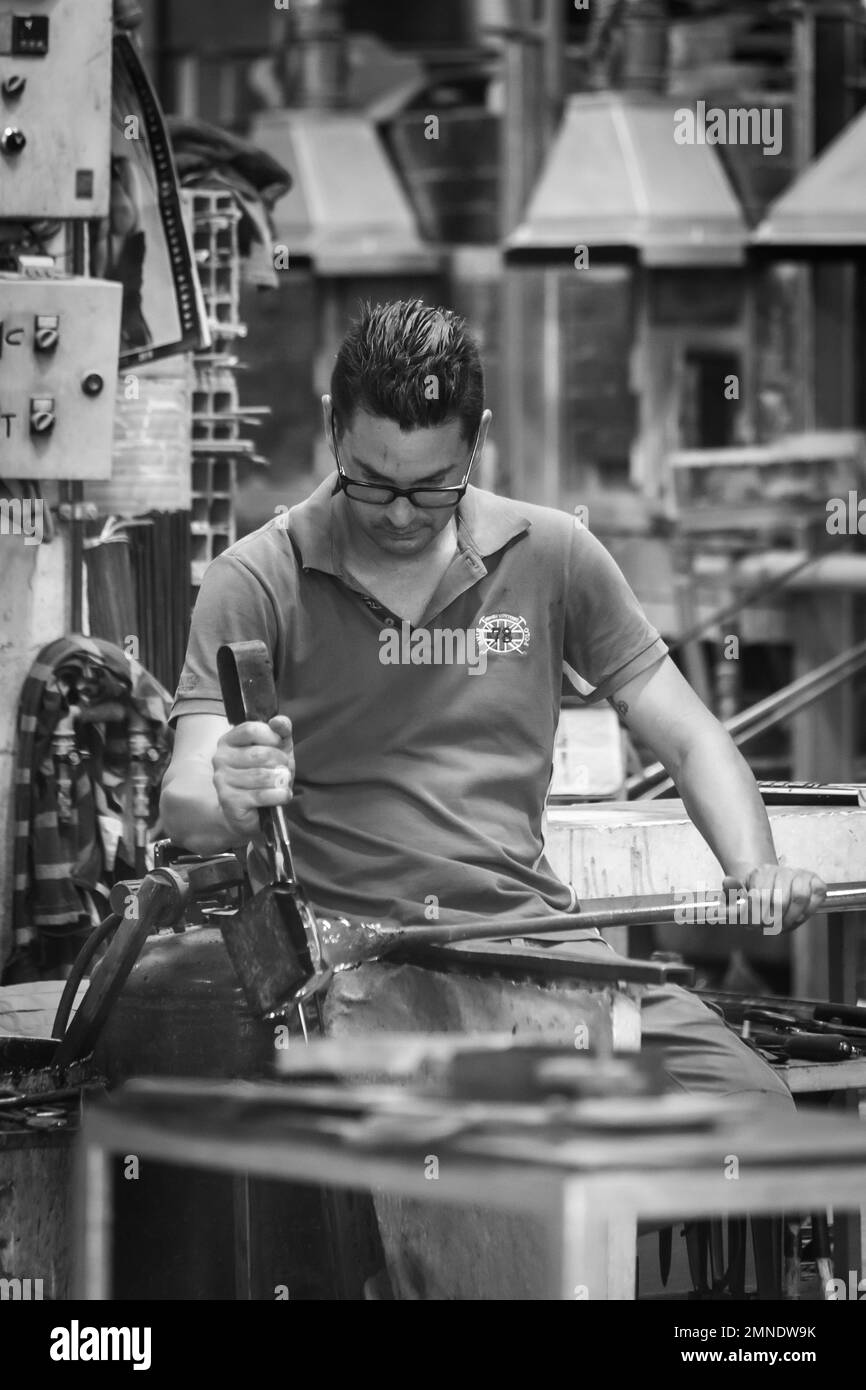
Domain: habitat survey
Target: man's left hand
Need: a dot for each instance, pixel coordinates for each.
(790, 895)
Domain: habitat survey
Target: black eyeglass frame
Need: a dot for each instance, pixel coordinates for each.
(344, 483)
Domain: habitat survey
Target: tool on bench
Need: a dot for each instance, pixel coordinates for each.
(792, 1023)
(274, 938)
(854, 1034)
(802, 1047)
(792, 1029)
(23, 1098)
(790, 1037)
(850, 1015)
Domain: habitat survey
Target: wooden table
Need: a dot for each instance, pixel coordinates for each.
(587, 1191)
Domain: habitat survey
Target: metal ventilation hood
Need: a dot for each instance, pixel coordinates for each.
(825, 208)
(616, 180)
(346, 211)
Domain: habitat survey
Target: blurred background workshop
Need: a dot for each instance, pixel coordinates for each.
(648, 217)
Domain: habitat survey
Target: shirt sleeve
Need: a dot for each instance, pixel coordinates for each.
(232, 606)
(608, 637)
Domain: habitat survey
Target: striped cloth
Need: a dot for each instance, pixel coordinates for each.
(56, 856)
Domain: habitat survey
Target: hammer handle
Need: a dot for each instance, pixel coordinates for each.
(249, 693)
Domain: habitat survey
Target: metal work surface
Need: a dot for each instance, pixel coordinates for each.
(617, 849)
(587, 1191)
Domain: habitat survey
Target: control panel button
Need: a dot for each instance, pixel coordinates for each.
(92, 384)
(13, 140)
(13, 86)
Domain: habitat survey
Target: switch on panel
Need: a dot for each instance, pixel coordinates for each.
(46, 333)
(59, 345)
(55, 100)
(42, 414)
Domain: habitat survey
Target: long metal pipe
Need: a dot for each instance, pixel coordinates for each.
(354, 943)
(685, 908)
(845, 571)
(770, 582)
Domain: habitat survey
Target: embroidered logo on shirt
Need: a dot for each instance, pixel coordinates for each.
(502, 632)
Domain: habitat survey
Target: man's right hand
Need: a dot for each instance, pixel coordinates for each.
(253, 766)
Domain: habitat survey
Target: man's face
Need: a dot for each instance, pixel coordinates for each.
(374, 450)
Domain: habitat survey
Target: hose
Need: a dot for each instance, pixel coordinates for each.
(77, 973)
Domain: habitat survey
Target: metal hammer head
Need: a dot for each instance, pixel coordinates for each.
(273, 944)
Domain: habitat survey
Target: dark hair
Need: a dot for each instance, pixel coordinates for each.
(411, 363)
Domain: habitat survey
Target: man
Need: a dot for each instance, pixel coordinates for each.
(415, 786)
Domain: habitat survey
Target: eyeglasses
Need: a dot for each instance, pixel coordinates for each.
(382, 495)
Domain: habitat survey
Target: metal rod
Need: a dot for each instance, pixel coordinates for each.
(683, 908)
(74, 488)
(846, 570)
(749, 598)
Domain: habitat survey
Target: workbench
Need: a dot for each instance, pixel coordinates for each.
(586, 1191)
(619, 849)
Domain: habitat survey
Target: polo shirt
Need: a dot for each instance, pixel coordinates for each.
(424, 754)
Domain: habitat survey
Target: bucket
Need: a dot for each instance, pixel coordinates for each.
(36, 1168)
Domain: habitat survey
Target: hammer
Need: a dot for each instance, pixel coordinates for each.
(273, 941)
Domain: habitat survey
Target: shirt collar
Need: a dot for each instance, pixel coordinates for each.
(485, 523)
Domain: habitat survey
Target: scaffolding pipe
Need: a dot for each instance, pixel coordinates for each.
(844, 571)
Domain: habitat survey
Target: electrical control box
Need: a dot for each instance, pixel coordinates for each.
(55, 108)
(59, 345)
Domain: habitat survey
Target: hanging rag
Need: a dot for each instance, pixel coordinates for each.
(61, 847)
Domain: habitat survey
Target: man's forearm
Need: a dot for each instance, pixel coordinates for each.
(722, 798)
(191, 813)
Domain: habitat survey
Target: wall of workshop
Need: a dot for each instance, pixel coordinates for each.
(277, 356)
(34, 609)
(293, 332)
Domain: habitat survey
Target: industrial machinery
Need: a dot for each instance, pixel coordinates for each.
(59, 338)
(55, 94)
